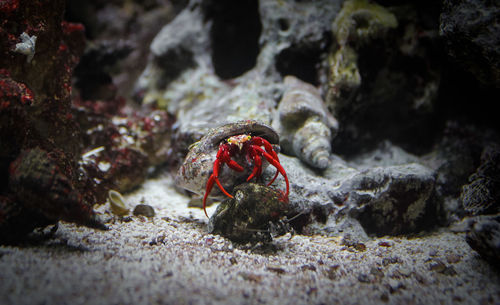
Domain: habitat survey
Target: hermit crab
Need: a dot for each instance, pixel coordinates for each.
(246, 147)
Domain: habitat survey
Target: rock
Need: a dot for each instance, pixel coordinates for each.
(391, 200)
(470, 31)
(371, 98)
(43, 183)
(484, 237)
(250, 214)
(482, 194)
(196, 45)
(144, 210)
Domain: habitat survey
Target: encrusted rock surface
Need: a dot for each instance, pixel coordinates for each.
(470, 31)
(412, 151)
(484, 237)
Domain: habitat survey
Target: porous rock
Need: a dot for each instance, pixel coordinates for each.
(484, 237)
(482, 194)
(247, 216)
(470, 30)
(391, 200)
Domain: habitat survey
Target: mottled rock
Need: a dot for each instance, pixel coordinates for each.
(482, 194)
(250, 215)
(204, 54)
(470, 30)
(391, 200)
(368, 94)
(484, 237)
(43, 183)
(144, 210)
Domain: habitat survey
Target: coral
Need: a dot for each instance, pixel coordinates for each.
(361, 20)
(305, 125)
(43, 182)
(39, 140)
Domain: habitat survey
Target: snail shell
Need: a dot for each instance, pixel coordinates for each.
(305, 125)
(198, 164)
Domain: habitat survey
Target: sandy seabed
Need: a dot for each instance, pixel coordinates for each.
(171, 259)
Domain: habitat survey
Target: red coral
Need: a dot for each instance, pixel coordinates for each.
(8, 6)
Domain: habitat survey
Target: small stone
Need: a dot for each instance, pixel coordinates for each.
(452, 258)
(364, 278)
(332, 272)
(127, 219)
(276, 269)
(308, 267)
(384, 297)
(449, 270)
(144, 210)
(377, 272)
(437, 266)
(250, 276)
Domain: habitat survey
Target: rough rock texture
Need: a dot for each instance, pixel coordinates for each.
(195, 89)
(392, 200)
(368, 92)
(470, 30)
(39, 140)
(481, 195)
(252, 215)
(484, 237)
(414, 153)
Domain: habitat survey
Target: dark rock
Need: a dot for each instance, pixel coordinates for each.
(43, 182)
(482, 194)
(484, 237)
(248, 215)
(368, 93)
(391, 200)
(470, 29)
(144, 210)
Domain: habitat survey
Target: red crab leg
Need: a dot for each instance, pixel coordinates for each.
(269, 148)
(256, 168)
(223, 156)
(276, 164)
(210, 184)
(216, 177)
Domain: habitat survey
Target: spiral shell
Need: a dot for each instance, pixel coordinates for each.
(304, 123)
(198, 164)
